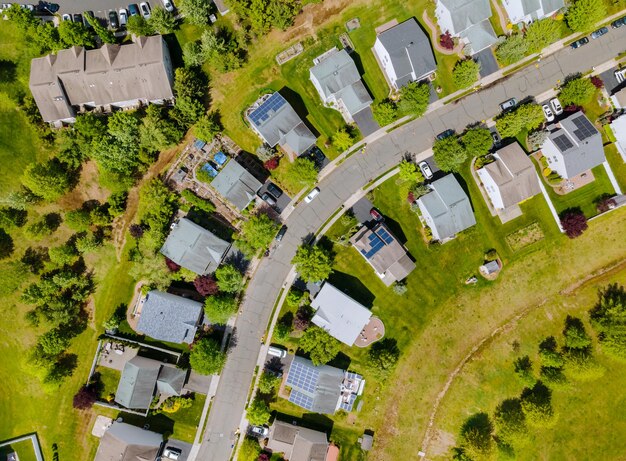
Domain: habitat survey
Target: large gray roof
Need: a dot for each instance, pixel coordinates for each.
(138, 382)
(324, 388)
(584, 151)
(236, 184)
(466, 13)
(548, 6)
(449, 207)
(409, 49)
(278, 123)
(480, 36)
(109, 75)
(193, 247)
(170, 318)
(171, 380)
(124, 442)
(297, 443)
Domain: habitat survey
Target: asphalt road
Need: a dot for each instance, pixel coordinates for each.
(354, 173)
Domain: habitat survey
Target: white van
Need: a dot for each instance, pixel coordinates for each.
(277, 352)
(314, 193)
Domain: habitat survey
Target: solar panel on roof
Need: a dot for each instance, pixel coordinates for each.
(585, 128)
(267, 109)
(302, 377)
(563, 143)
(301, 400)
(383, 234)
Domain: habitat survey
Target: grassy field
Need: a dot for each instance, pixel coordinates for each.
(617, 165)
(25, 451)
(109, 380)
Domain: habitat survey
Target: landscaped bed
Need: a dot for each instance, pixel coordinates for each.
(525, 236)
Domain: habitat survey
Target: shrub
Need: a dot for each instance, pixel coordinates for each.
(574, 223)
(465, 73)
(171, 265)
(605, 204)
(596, 81)
(198, 202)
(409, 172)
(271, 164)
(174, 403)
(205, 285)
(446, 41)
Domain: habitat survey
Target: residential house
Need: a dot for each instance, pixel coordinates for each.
(405, 54)
(124, 442)
(573, 146)
(277, 123)
(170, 318)
(193, 247)
(322, 389)
(339, 84)
(111, 77)
(618, 126)
(340, 315)
(511, 179)
(143, 377)
(297, 443)
(528, 11)
(383, 252)
(236, 185)
(619, 99)
(446, 209)
(468, 20)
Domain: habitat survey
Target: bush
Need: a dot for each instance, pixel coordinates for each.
(523, 367)
(446, 41)
(579, 91)
(258, 412)
(320, 346)
(303, 171)
(206, 358)
(272, 163)
(574, 223)
(174, 403)
(465, 73)
(284, 326)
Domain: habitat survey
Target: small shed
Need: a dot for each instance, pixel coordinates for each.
(492, 267)
(367, 441)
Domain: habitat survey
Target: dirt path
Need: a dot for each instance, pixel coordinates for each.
(434, 37)
(505, 327)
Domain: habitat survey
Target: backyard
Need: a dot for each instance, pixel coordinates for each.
(24, 451)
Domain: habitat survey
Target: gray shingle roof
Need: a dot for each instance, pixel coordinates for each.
(480, 36)
(170, 318)
(109, 75)
(171, 380)
(466, 13)
(138, 382)
(194, 248)
(236, 184)
(124, 442)
(297, 443)
(552, 5)
(409, 49)
(448, 206)
(326, 389)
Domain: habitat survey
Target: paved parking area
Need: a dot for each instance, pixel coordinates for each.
(184, 447)
(281, 202)
(610, 82)
(365, 121)
(100, 8)
(487, 61)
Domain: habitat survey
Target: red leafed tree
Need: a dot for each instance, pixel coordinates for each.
(446, 41)
(263, 457)
(302, 320)
(573, 108)
(271, 164)
(597, 81)
(84, 398)
(574, 223)
(171, 265)
(206, 285)
(606, 204)
(410, 197)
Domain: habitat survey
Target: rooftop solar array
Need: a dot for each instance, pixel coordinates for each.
(347, 406)
(301, 400)
(209, 169)
(303, 377)
(563, 143)
(377, 240)
(350, 375)
(383, 234)
(584, 128)
(265, 111)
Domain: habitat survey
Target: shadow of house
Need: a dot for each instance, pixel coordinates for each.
(353, 287)
(297, 103)
(254, 165)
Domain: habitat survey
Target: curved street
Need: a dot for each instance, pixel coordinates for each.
(354, 173)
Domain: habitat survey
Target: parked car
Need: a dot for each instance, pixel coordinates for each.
(29, 7)
(314, 193)
(113, 21)
(281, 233)
(496, 138)
(618, 23)
(78, 17)
(50, 7)
(445, 134)
(133, 9)
(547, 112)
(172, 453)
(620, 75)
(277, 352)
(508, 104)
(123, 16)
(274, 189)
(579, 43)
(66, 17)
(145, 10)
(600, 32)
(268, 198)
(260, 432)
(375, 214)
(425, 169)
(556, 106)
(85, 14)
(168, 5)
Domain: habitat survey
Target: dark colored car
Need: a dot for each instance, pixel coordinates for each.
(375, 214)
(78, 17)
(91, 15)
(274, 189)
(133, 9)
(496, 138)
(619, 23)
(317, 156)
(600, 32)
(115, 24)
(579, 43)
(50, 7)
(445, 134)
(281, 233)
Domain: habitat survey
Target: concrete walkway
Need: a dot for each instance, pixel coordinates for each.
(555, 215)
(612, 178)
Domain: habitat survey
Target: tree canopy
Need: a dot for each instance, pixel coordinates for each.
(313, 263)
(196, 11)
(582, 15)
(342, 140)
(477, 141)
(320, 346)
(525, 117)
(465, 73)
(219, 308)
(385, 112)
(542, 33)
(608, 318)
(206, 358)
(162, 21)
(257, 233)
(268, 382)
(258, 412)
(265, 14)
(410, 172)
(449, 153)
(229, 278)
(414, 99)
(206, 128)
(49, 180)
(6, 244)
(512, 49)
(138, 25)
(578, 91)
(303, 171)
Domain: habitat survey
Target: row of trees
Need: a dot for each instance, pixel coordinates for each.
(413, 101)
(451, 152)
(533, 39)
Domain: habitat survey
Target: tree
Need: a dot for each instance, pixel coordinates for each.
(49, 180)
(537, 405)
(89, 127)
(575, 335)
(608, 318)
(188, 110)
(409, 172)
(385, 112)
(6, 244)
(229, 278)
(78, 220)
(414, 99)
(46, 225)
(476, 436)
(303, 171)
(579, 91)
(465, 73)
(193, 54)
(383, 356)
(525, 117)
(162, 21)
(582, 15)
(449, 154)
(206, 357)
(549, 353)
(85, 397)
(574, 223)
(205, 285)
(158, 132)
(320, 346)
(65, 254)
(302, 319)
(219, 308)
(512, 49)
(249, 450)
(198, 202)
(446, 41)
(257, 233)
(116, 203)
(12, 217)
(342, 140)
(313, 263)
(87, 243)
(53, 342)
(268, 382)
(105, 34)
(75, 34)
(206, 128)
(137, 25)
(195, 11)
(258, 412)
(523, 367)
(541, 34)
(190, 83)
(510, 422)
(477, 141)
(157, 204)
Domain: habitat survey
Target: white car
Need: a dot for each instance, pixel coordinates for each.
(314, 193)
(548, 112)
(168, 5)
(260, 432)
(123, 16)
(172, 453)
(277, 352)
(557, 108)
(145, 10)
(620, 75)
(66, 17)
(425, 169)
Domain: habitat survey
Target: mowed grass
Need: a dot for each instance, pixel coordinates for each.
(590, 413)
(617, 165)
(25, 451)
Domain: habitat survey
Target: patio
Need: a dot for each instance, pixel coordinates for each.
(371, 333)
(115, 355)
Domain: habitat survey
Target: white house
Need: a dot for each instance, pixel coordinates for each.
(528, 11)
(404, 54)
(468, 20)
(618, 126)
(573, 146)
(619, 99)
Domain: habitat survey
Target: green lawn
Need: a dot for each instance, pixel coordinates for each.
(617, 165)
(109, 380)
(25, 451)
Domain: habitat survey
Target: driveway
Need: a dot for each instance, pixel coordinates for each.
(354, 173)
(183, 446)
(610, 82)
(487, 61)
(281, 202)
(365, 121)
